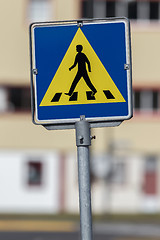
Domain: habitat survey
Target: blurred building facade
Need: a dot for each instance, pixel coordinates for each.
(38, 167)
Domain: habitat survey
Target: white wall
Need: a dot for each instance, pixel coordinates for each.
(16, 196)
(107, 197)
(127, 197)
(71, 184)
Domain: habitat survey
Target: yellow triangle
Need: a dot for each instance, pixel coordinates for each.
(63, 78)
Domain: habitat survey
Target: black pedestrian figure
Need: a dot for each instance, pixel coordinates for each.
(81, 59)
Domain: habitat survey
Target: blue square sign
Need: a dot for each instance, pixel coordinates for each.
(81, 68)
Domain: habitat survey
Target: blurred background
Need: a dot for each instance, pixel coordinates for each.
(38, 168)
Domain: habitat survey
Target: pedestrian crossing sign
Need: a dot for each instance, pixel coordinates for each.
(81, 68)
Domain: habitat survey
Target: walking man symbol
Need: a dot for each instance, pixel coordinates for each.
(81, 59)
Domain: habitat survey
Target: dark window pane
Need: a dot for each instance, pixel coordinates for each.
(15, 97)
(132, 10)
(19, 98)
(110, 9)
(84, 9)
(25, 100)
(137, 99)
(155, 100)
(154, 10)
(34, 173)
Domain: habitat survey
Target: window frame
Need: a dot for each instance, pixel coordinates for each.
(31, 162)
(154, 111)
(20, 108)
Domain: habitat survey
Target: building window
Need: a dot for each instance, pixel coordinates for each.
(156, 102)
(40, 10)
(84, 9)
(143, 10)
(136, 100)
(99, 9)
(14, 99)
(154, 10)
(34, 173)
(19, 99)
(117, 8)
(110, 8)
(132, 10)
(147, 100)
(121, 8)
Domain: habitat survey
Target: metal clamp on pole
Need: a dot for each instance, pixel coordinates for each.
(83, 141)
(83, 136)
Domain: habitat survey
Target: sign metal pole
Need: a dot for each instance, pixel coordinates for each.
(83, 141)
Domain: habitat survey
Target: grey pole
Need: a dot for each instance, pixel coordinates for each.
(83, 141)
